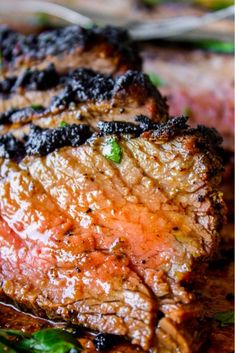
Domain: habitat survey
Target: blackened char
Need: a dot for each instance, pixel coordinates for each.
(14, 115)
(86, 97)
(31, 80)
(44, 141)
(11, 148)
(112, 46)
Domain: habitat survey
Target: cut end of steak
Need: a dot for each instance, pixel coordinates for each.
(107, 49)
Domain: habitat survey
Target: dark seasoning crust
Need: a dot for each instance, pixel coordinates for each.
(83, 85)
(15, 46)
(32, 80)
(43, 141)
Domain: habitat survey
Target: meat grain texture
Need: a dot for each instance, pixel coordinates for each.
(109, 243)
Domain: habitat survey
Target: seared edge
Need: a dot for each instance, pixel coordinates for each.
(84, 86)
(20, 50)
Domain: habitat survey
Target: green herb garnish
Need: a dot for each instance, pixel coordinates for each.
(225, 318)
(47, 340)
(215, 46)
(150, 3)
(36, 106)
(156, 80)
(63, 123)
(5, 348)
(89, 25)
(215, 4)
(42, 19)
(187, 111)
(113, 151)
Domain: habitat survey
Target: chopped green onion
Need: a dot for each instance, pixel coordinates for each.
(49, 340)
(156, 80)
(63, 123)
(42, 19)
(36, 106)
(113, 151)
(215, 46)
(225, 318)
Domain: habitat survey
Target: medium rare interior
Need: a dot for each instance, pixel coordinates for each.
(73, 208)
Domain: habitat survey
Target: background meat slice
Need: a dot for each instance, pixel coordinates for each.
(170, 181)
(196, 83)
(88, 97)
(108, 50)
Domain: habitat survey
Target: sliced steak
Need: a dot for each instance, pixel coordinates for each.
(87, 97)
(168, 175)
(99, 229)
(108, 50)
(54, 270)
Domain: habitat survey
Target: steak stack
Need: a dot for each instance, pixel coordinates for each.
(108, 206)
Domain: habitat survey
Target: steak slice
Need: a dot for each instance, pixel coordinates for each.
(168, 175)
(156, 209)
(108, 50)
(86, 97)
(49, 265)
(31, 87)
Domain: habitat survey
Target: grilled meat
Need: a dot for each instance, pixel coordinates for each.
(86, 237)
(84, 96)
(31, 87)
(107, 50)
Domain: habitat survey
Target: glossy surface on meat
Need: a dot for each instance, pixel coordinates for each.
(88, 223)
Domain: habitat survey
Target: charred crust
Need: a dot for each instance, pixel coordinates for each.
(15, 45)
(44, 141)
(204, 140)
(165, 130)
(31, 80)
(11, 148)
(169, 129)
(118, 127)
(82, 85)
(133, 79)
(86, 85)
(104, 341)
(14, 116)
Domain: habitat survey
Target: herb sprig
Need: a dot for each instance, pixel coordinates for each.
(225, 318)
(112, 150)
(49, 340)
